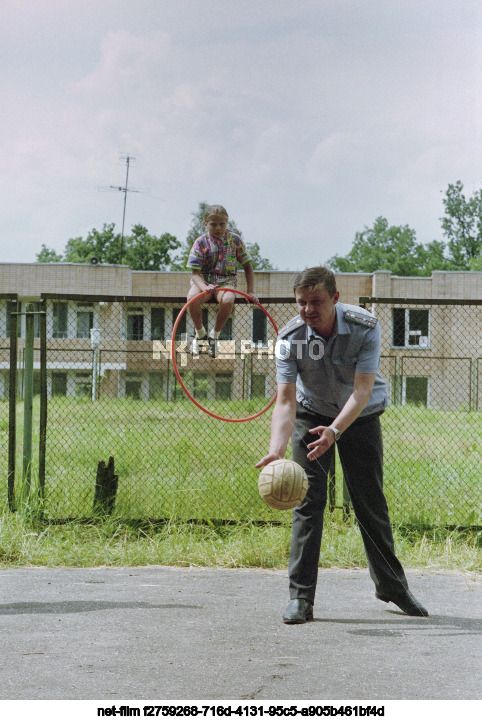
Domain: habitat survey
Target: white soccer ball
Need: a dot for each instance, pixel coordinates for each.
(282, 484)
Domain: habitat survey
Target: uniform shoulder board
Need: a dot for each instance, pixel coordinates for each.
(291, 326)
(369, 321)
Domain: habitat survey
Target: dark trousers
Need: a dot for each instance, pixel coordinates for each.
(361, 454)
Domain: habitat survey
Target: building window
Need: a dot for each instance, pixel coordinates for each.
(224, 385)
(83, 384)
(13, 307)
(157, 324)
(59, 384)
(200, 386)
(410, 389)
(205, 318)
(181, 328)
(135, 324)
(133, 386)
(59, 327)
(410, 328)
(177, 392)
(85, 320)
(259, 332)
(156, 384)
(416, 390)
(226, 332)
(258, 385)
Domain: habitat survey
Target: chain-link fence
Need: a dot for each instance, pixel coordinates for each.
(111, 390)
(431, 360)
(8, 374)
(108, 388)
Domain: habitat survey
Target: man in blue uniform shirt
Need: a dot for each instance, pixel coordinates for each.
(329, 390)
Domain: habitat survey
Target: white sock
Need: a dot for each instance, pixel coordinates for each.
(214, 334)
(201, 333)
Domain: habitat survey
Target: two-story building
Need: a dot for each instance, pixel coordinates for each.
(111, 326)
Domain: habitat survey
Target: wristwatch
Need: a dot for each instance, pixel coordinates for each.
(336, 432)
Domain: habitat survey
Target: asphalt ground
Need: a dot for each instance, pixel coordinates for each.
(208, 634)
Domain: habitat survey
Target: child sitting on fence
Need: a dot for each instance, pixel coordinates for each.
(213, 261)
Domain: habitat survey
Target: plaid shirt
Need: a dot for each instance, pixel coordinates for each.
(216, 259)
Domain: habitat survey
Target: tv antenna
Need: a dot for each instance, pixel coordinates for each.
(128, 160)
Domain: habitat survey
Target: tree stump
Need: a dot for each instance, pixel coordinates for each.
(105, 488)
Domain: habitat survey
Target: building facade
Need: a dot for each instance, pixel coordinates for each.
(109, 332)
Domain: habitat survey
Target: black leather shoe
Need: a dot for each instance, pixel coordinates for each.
(299, 610)
(405, 601)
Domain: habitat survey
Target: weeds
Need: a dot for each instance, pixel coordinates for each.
(27, 541)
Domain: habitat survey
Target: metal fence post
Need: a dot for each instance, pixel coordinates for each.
(95, 334)
(43, 402)
(28, 398)
(12, 409)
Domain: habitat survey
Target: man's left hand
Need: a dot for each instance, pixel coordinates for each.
(319, 447)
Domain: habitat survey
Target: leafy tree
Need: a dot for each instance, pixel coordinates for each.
(257, 261)
(149, 252)
(385, 247)
(105, 245)
(462, 225)
(140, 250)
(395, 248)
(197, 228)
(436, 258)
(48, 255)
(476, 263)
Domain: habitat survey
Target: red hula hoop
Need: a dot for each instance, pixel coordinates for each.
(174, 363)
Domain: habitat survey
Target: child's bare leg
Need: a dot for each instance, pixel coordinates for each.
(226, 302)
(195, 309)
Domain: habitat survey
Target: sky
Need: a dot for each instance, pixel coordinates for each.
(307, 120)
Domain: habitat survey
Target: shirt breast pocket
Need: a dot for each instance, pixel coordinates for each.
(345, 368)
(229, 267)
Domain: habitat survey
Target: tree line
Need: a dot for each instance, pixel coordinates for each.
(379, 247)
(141, 250)
(395, 247)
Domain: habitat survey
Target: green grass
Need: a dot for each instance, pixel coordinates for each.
(174, 461)
(432, 466)
(26, 541)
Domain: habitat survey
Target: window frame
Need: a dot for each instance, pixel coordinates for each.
(135, 312)
(263, 343)
(409, 331)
